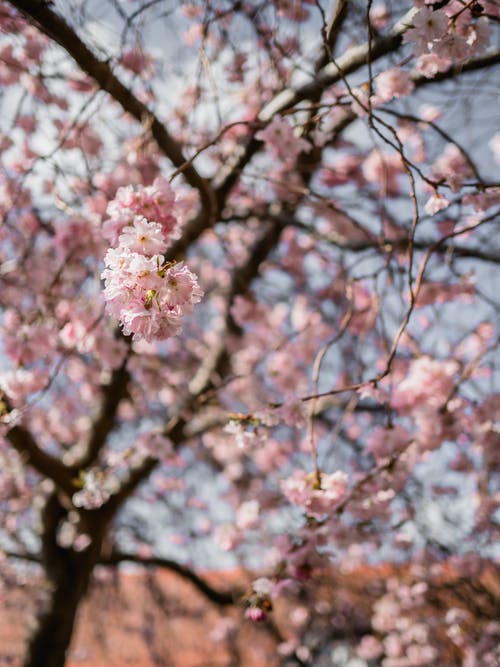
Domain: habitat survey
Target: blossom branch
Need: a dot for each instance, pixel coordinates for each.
(404, 322)
(355, 58)
(203, 381)
(388, 245)
(55, 27)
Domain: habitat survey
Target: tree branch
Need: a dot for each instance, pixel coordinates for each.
(105, 420)
(222, 598)
(136, 477)
(333, 72)
(352, 60)
(488, 60)
(55, 27)
(218, 597)
(217, 361)
(398, 245)
(45, 464)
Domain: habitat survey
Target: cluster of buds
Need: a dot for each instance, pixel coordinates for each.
(258, 602)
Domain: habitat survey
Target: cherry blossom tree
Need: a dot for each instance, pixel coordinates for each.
(248, 263)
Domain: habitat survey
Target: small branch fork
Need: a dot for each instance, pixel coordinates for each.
(218, 597)
(404, 322)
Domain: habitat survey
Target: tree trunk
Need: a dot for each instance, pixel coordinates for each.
(68, 572)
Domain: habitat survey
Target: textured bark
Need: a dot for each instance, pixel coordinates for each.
(50, 642)
(68, 574)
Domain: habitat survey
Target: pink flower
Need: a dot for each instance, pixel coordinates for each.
(227, 537)
(181, 288)
(125, 199)
(361, 102)
(380, 16)
(342, 170)
(428, 383)
(136, 61)
(452, 46)
(150, 322)
(383, 169)
(281, 141)
(243, 438)
(430, 113)
(263, 587)
(97, 488)
(292, 411)
(112, 228)
(153, 443)
(428, 26)
(394, 82)
(143, 237)
(140, 293)
(247, 515)
(370, 648)
(436, 203)
(452, 167)
(255, 614)
(317, 499)
(429, 64)
(386, 442)
(155, 203)
(482, 201)
(18, 384)
(478, 36)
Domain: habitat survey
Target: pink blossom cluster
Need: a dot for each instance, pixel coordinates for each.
(428, 384)
(154, 203)
(447, 35)
(19, 383)
(383, 169)
(407, 642)
(137, 61)
(341, 170)
(145, 293)
(452, 166)
(423, 394)
(96, 489)
(482, 201)
(436, 203)
(439, 292)
(281, 141)
(317, 497)
(393, 82)
(386, 442)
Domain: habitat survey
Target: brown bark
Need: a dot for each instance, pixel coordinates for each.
(68, 572)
